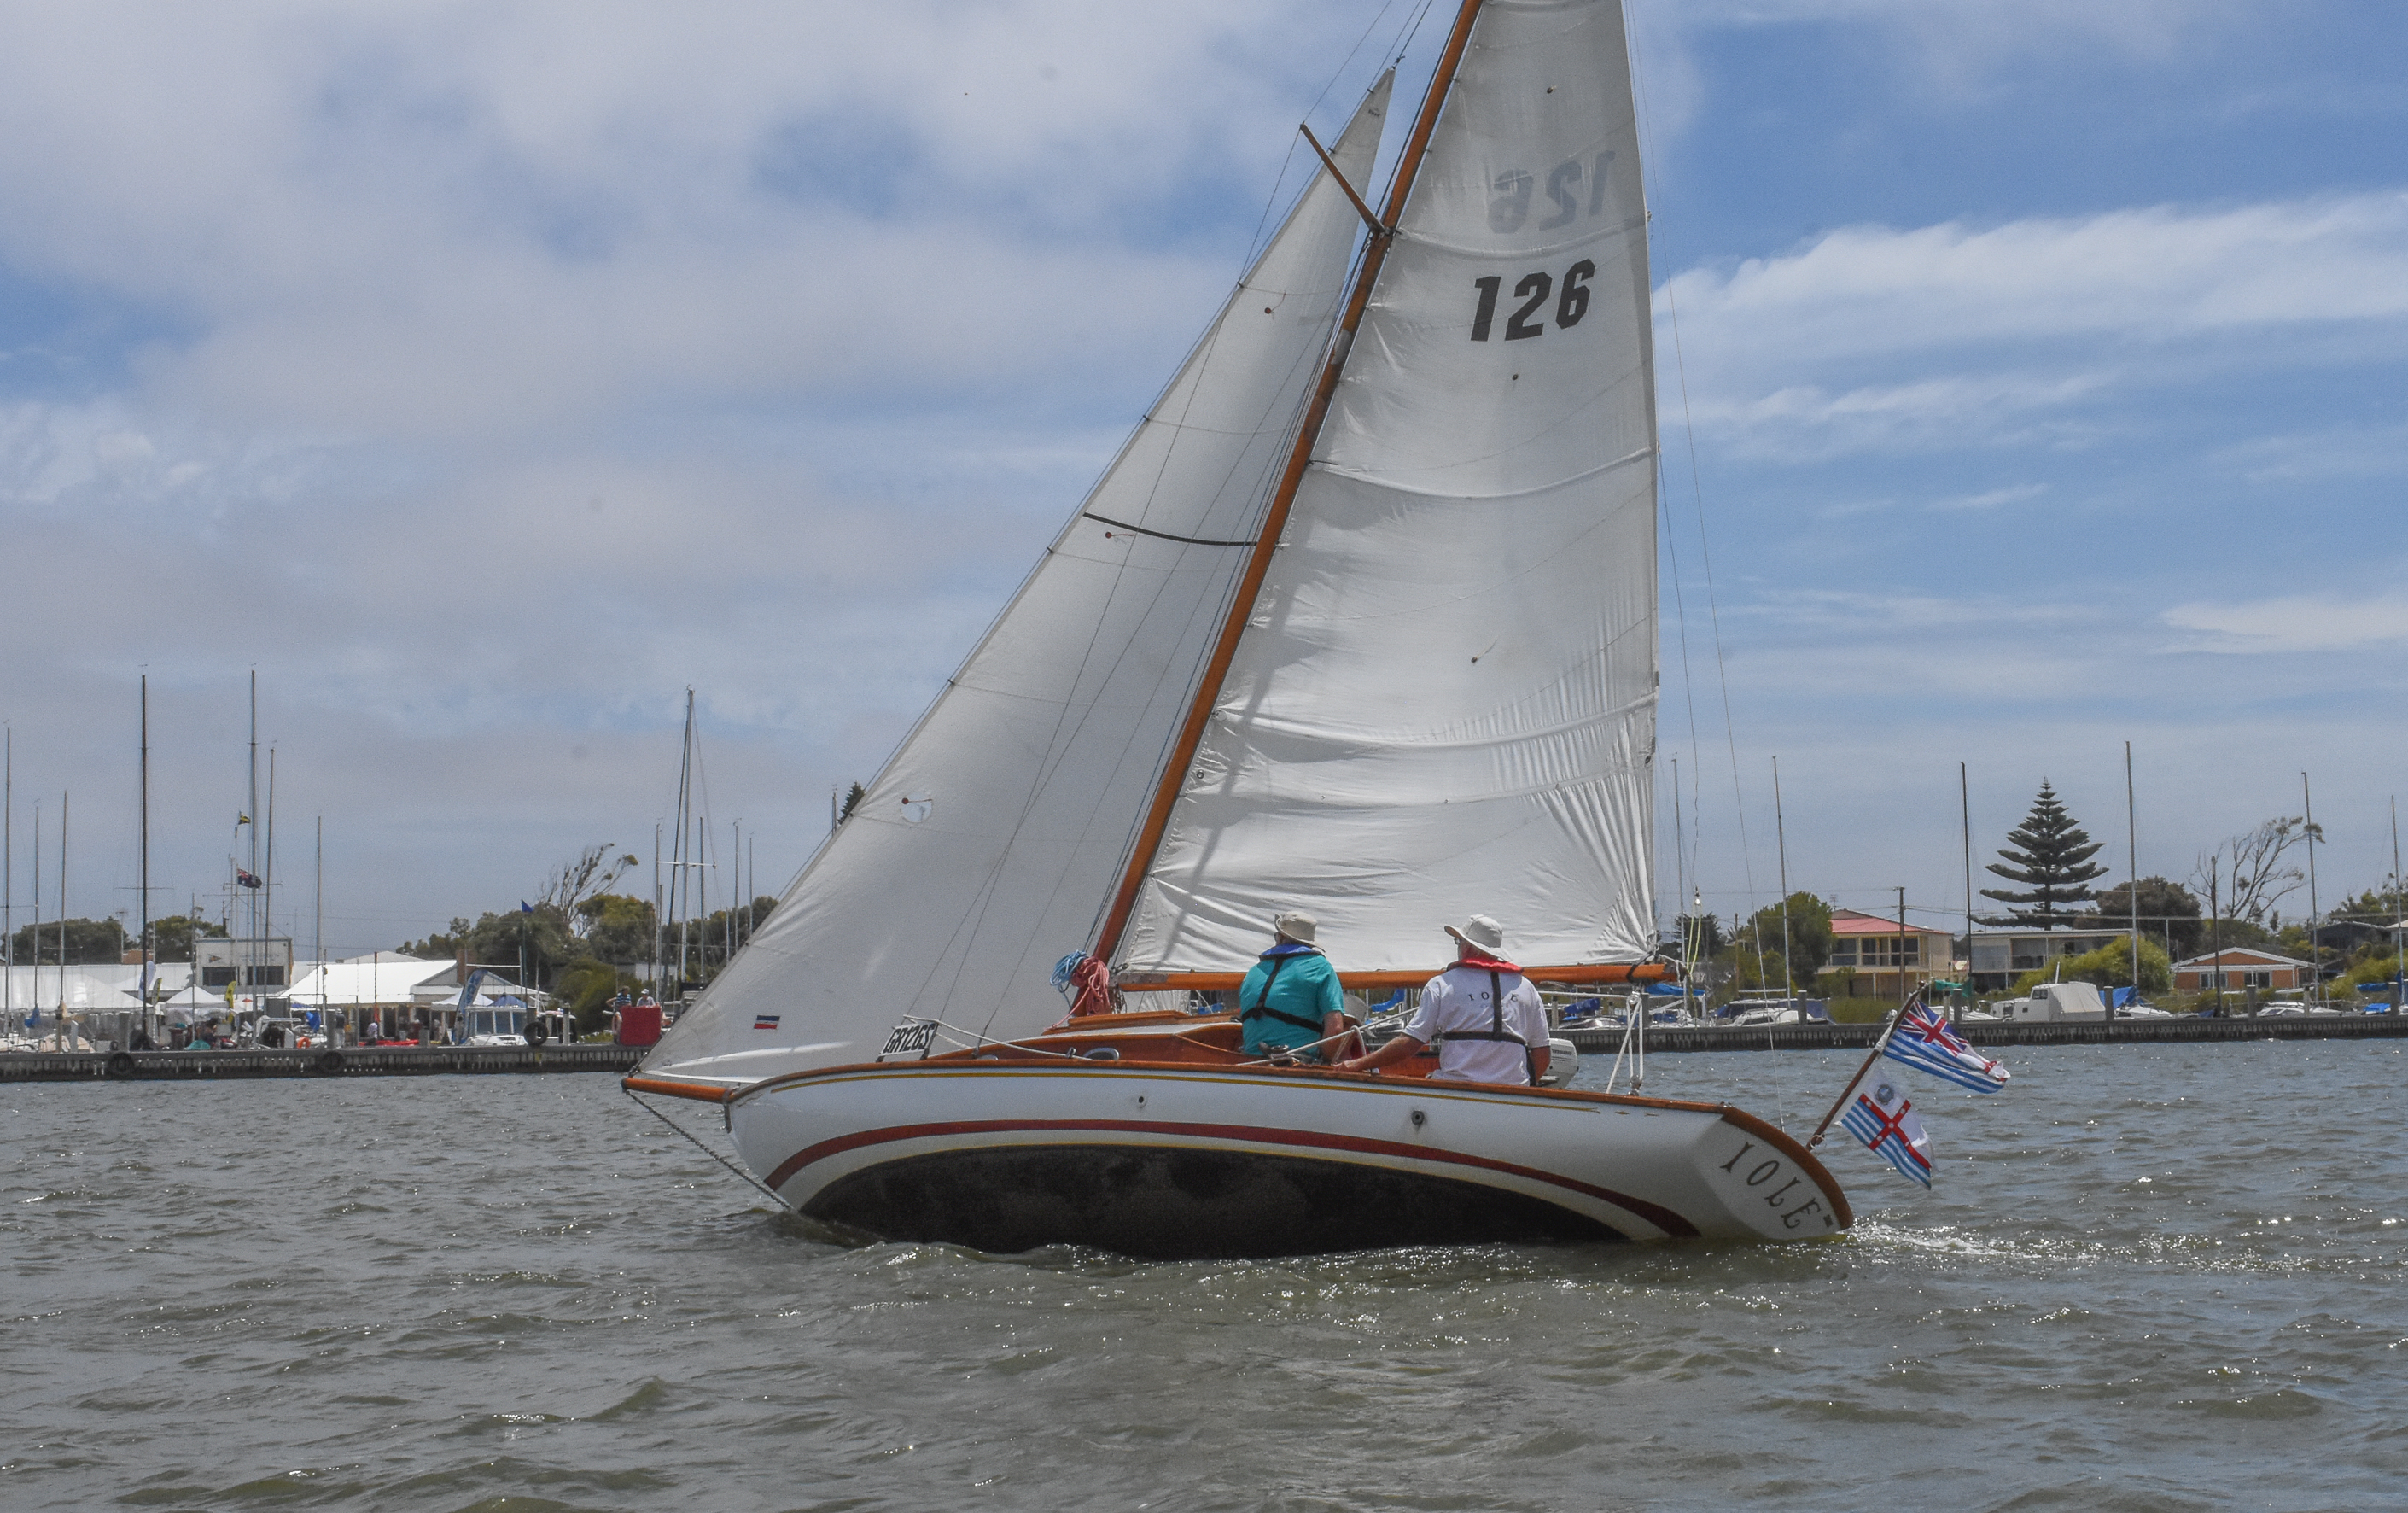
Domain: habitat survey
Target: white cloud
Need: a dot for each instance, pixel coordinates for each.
(2299, 622)
(1991, 499)
(462, 220)
(2150, 275)
(1969, 336)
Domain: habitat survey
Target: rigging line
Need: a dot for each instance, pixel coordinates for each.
(1713, 609)
(1058, 749)
(1250, 584)
(742, 1175)
(1219, 609)
(1705, 549)
(1663, 500)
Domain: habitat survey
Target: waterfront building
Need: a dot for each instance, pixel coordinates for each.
(2240, 968)
(1890, 960)
(1995, 959)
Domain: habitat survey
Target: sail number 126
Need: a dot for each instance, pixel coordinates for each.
(1532, 290)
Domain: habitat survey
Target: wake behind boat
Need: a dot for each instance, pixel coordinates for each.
(1362, 619)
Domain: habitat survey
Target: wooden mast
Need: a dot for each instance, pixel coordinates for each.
(1250, 584)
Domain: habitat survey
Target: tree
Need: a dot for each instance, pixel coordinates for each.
(617, 928)
(89, 943)
(171, 939)
(852, 798)
(2110, 966)
(438, 944)
(2169, 913)
(1756, 954)
(1701, 933)
(2249, 873)
(2049, 853)
(594, 871)
(1808, 940)
(584, 988)
(538, 936)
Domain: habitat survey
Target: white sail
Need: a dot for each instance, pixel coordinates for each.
(1445, 699)
(987, 847)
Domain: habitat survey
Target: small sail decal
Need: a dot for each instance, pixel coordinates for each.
(982, 853)
(1443, 701)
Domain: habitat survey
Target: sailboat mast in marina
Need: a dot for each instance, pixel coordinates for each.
(1361, 621)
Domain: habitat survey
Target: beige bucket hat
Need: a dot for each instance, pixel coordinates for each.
(1479, 931)
(1294, 924)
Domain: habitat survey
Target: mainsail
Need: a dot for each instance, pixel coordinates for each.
(1443, 700)
(984, 850)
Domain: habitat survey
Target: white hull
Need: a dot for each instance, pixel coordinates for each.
(1180, 1162)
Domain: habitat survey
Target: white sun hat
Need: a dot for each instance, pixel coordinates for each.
(1479, 931)
(1295, 925)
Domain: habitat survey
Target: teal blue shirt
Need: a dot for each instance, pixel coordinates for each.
(1305, 989)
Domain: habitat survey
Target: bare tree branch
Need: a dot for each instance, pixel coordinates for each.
(594, 871)
(2256, 876)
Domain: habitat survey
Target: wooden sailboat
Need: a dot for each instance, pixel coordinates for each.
(1362, 620)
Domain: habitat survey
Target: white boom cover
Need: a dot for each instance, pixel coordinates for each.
(1444, 700)
(991, 842)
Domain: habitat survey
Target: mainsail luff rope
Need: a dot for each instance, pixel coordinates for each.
(1241, 604)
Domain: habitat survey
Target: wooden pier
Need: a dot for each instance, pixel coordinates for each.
(2180, 1032)
(351, 1062)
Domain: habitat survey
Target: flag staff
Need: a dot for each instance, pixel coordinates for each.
(1881, 1042)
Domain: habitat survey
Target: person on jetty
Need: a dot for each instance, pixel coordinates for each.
(1482, 1013)
(1290, 1001)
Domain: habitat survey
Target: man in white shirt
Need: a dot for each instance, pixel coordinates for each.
(1482, 1013)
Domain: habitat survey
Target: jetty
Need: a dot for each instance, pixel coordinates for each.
(2177, 1032)
(351, 1062)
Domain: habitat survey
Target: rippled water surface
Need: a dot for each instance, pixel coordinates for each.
(2147, 1277)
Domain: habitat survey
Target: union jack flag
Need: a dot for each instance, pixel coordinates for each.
(1924, 1042)
(1887, 1125)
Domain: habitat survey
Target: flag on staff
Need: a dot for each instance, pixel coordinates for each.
(1923, 1041)
(1887, 1125)
(245, 878)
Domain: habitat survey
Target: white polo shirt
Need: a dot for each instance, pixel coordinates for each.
(1457, 1002)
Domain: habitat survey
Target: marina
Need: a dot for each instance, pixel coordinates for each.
(349, 1061)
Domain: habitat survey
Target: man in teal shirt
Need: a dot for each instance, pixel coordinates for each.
(1291, 999)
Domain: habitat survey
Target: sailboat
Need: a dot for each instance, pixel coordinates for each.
(1362, 620)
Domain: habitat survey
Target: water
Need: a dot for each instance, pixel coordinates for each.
(2148, 1277)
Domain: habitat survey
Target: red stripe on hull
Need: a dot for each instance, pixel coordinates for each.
(1663, 1219)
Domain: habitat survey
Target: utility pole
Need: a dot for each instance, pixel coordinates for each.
(8, 878)
(1965, 815)
(247, 972)
(1780, 841)
(2398, 970)
(2215, 926)
(1902, 945)
(148, 954)
(2316, 947)
(63, 919)
(2132, 843)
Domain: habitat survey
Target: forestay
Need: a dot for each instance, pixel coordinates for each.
(986, 847)
(1444, 697)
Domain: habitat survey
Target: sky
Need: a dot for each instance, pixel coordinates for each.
(2033, 378)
